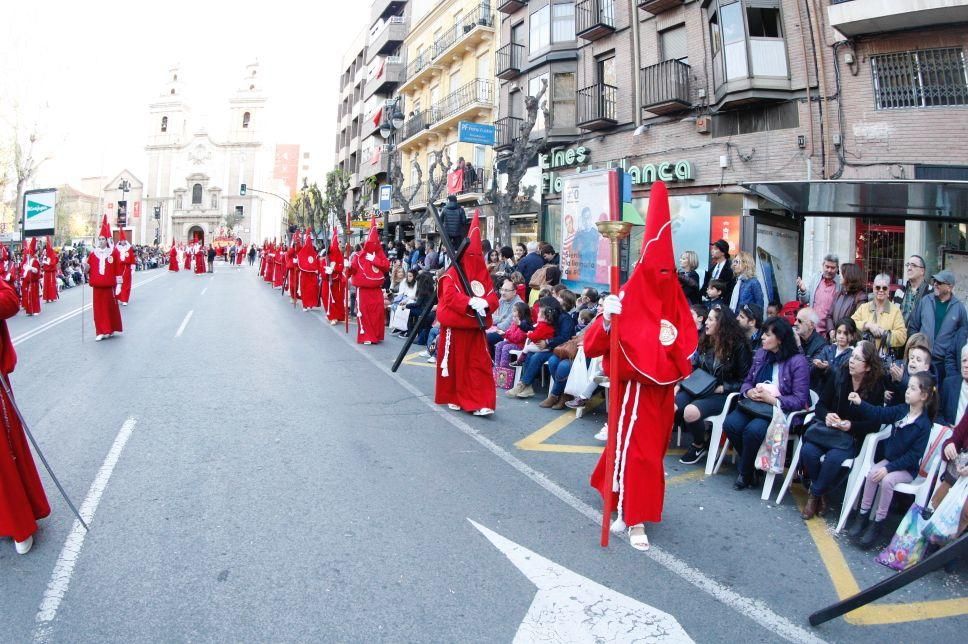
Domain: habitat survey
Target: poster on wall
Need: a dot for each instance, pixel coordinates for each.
(40, 212)
(726, 227)
(777, 262)
(585, 199)
(957, 262)
(689, 218)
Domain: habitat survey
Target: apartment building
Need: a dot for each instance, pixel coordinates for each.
(787, 127)
(351, 115)
(448, 79)
(385, 68)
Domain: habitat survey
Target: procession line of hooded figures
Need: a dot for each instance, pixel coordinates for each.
(656, 338)
(655, 335)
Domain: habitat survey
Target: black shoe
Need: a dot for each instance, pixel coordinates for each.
(871, 535)
(741, 483)
(859, 524)
(693, 455)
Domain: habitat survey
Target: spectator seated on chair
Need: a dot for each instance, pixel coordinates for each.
(898, 457)
(515, 336)
(954, 453)
(561, 363)
(954, 394)
(564, 331)
(838, 428)
(833, 356)
(723, 353)
(779, 374)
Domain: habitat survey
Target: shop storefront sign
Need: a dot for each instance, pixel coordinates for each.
(646, 174)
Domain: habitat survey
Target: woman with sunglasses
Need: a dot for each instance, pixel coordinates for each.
(881, 321)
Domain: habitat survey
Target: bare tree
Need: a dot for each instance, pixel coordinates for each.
(337, 183)
(522, 152)
(25, 162)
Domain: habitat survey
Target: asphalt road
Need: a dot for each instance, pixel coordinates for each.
(272, 481)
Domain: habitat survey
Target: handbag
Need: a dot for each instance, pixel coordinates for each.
(699, 383)
(756, 408)
(819, 434)
(908, 543)
(771, 456)
(567, 350)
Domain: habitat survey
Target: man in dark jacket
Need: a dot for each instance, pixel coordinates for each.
(530, 262)
(454, 220)
(211, 259)
(811, 343)
(943, 318)
(719, 268)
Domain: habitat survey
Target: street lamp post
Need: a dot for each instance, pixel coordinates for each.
(392, 121)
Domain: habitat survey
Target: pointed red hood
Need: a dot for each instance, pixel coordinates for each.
(105, 228)
(335, 255)
(49, 251)
(121, 236)
(307, 257)
(656, 331)
(368, 273)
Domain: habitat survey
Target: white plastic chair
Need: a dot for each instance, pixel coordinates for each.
(717, 432)
(770, 476)
(921, 486)
(860, 467)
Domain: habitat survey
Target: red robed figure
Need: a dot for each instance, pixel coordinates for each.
(367, 276)
(334, 294)
(199, 259)
(22, 498)
(30, 279)
(292, 267)
(103, 279)
(308, 262)
(188, 257)
(656, 337)
(173, 258)
(125, 266)
(49, 266)
(464, 368)
(279, 266)
(239, 252)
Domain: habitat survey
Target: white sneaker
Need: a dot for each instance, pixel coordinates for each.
(124, 303)
(431, 360)
(424, 354)
(332, 322)
(453, 407)
(484, 411)
(602, 434)
(23, 547)
(98, 338)
(367, 342)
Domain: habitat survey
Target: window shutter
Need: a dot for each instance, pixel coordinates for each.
(673, 42)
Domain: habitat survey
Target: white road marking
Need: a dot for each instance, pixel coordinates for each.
(572, 608)
(754, 609)
(203, 290)
(26, 335)
(60, 578)
(184, 323)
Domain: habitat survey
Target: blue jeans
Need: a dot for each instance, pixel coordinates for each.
(559, 369)
(532, 368)
(823, 475)
(493, 339)
(746, 434)
(432, 339)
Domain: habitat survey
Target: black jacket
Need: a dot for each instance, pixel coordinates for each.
(730, 374)
(833, 398)
(726, 276)
(454, 220)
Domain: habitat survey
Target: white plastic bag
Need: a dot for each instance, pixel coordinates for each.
(399, 317)
(578, 376)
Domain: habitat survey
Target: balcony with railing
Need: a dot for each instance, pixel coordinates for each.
(510, 6)
(373, 162)
(475, 100)
(388, 75)
(475, 27)
(594, 19)
(859, 17)
(510, 59)
(597, 107)
(656, 7)
(383, 8)
(507, 131)
(665, 87)
(389, 37)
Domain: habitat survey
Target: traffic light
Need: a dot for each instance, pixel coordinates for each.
(242, 190)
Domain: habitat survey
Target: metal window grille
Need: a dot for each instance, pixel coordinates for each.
(925, 78)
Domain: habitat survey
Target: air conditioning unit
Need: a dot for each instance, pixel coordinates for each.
(702, 124)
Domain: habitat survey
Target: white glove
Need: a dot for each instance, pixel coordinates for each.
(117, 290)
(370, 257)
(611, 305)
(479, 304)
(329, 270)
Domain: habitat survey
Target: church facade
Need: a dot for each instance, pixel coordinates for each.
(193, 187)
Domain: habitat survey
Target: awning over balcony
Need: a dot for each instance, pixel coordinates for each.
(922, 200)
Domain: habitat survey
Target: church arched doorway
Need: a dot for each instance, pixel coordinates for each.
(196, 234)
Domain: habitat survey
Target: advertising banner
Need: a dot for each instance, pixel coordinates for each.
(586, 198)
(40, 212)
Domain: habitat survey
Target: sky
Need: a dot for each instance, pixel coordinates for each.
(85, 72)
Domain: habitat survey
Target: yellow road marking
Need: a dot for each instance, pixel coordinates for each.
(414, 360)
(844, 582)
